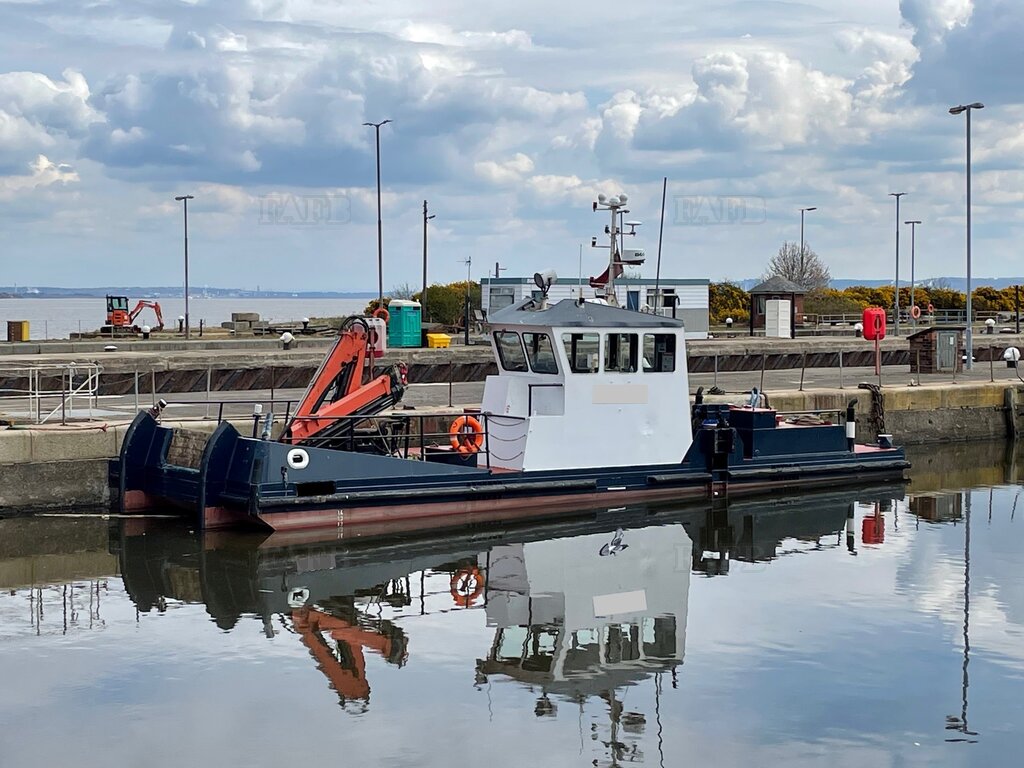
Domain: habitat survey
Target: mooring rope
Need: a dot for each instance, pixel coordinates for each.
(876, 418)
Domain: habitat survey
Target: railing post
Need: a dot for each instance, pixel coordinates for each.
(136, 390)
(209, 376)
(840, 369)
(764, 361)
(803, 368)
(715, 382)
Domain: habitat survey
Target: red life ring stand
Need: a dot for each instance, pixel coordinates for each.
(931, 309)
(466, 586)
(915, 311)
(466, 434)
(382, 313)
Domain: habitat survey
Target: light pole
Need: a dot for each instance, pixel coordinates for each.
(970, 334)
(802, 212)
(183, 199)
(423, 296)
(896, 294)
(913, 238)
(380, 227)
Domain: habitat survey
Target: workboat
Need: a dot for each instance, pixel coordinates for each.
(589, 408)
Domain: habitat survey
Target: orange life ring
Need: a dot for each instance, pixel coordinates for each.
(915, 311)
(382, 312)
(931, 309)
(466, 434)
(466, 586)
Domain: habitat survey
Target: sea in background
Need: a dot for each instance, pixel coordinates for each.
(59, 318)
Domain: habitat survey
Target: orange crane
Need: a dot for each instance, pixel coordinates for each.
(118, 315)
(343, 389)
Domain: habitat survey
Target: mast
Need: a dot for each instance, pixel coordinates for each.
(616, 205)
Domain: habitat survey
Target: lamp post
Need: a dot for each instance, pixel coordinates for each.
(423, 296)
(970, 334)
(183, 199)
(913, 238)
(380, 226)
(896, 293)
(802, 212)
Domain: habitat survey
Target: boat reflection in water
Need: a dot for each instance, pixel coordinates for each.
(578, 609)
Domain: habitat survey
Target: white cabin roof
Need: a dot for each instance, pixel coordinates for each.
(570, 313)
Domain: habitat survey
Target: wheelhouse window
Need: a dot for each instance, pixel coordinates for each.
(621, 352)
(659, 352)
(510, 351)
(540, 352)
(583, 351)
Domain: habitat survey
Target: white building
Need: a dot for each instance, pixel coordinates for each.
(688, 297)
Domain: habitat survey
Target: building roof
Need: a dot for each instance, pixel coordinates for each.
(778, 284)
(568, 313)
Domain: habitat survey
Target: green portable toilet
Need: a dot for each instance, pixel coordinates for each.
(404, 323)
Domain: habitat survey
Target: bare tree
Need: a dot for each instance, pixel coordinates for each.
(806, 270)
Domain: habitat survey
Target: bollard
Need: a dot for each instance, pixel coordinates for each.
(286, 340)
(181, 323)
(851, 423)
(202, 324)
(146, 330)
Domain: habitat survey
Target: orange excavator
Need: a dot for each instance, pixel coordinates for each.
(119, 317)
(344, 392)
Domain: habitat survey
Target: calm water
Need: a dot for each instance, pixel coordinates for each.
(58, 318)
(847, 629)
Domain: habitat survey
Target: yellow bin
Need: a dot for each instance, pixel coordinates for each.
(438, 340)
(17, 330)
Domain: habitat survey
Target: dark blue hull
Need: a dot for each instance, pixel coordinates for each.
(232, 480)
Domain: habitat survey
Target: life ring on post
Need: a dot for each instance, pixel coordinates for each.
(931, 309)
(466, 586)
(382, 313)
(466, 434)
(915, 311)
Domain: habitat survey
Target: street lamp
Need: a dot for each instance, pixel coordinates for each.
(896, 305)
(970, 335)
(380, 227)
(802, 212)
(183, 199)
(913, 238)
(423, 296)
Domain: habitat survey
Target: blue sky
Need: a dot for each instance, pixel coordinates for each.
(509, 119)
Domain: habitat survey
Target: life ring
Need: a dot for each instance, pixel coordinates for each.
(466, 586)
(382, 312)
(915, 311)
(466, 434)
(931, 309)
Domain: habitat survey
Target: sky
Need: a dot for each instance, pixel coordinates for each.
(509, 119)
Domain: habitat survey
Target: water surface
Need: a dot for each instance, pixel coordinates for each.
(867, 627)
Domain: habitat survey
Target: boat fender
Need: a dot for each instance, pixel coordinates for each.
(466, 586)
(298, 458)
(851, 423)
(466, 434)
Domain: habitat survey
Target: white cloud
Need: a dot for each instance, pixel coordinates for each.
(43, 173)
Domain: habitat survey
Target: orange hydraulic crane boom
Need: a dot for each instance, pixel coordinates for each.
(341, 388)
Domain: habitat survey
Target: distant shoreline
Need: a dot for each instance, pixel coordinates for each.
(138, 294)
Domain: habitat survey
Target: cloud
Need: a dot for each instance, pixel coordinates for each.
(43, 173)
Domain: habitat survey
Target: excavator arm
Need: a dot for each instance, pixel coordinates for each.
(155, 306)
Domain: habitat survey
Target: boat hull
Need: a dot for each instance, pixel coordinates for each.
(238, 481)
